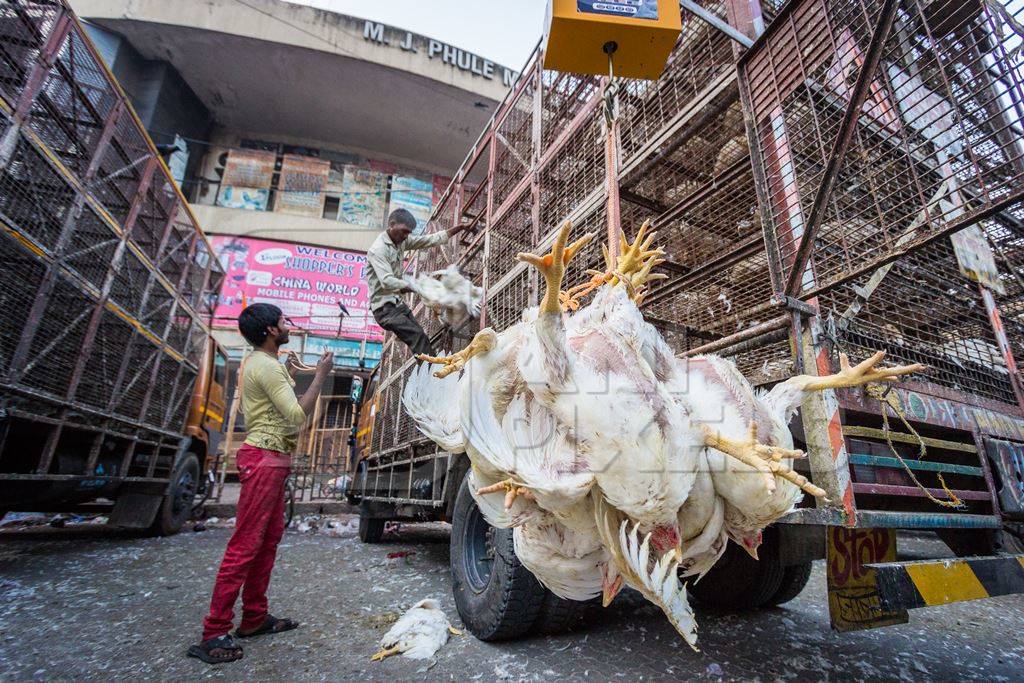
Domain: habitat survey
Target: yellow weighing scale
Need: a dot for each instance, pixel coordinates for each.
(580, 35)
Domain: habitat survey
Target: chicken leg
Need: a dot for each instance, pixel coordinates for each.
(552, 266)
(632, 268)
(483, 341)
(635, 255)
(857, 375)
(384, 653)
(764, 459)
(512, 490)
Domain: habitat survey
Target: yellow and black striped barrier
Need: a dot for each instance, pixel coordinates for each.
(926, 583)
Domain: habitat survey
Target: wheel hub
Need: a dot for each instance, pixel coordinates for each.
(479, 542)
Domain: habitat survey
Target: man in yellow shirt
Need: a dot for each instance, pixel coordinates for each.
(273, 417)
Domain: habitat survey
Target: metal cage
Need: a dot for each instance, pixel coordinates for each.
(101, 256)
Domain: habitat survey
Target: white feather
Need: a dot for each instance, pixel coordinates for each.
(659, 584)
(569, 563)
(420, 632)
(433, 405)
(449, 294)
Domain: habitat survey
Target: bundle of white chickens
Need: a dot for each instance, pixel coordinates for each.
(449, 294)
(616, 462)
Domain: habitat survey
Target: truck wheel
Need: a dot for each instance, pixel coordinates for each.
(371, 530)
(794, 580)
(738, 581)
(558, 615)
(177, 504)
(496, 596)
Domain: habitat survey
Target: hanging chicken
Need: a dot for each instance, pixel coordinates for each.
(449, 294)
(590, 439)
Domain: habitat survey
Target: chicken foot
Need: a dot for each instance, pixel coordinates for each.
(384, 653)
(483, 341)
(857, 375)
(632, 268)
(512, 489)
(764, 459)
(552, 266)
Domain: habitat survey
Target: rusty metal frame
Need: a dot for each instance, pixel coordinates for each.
(102, 132)
(836, 157)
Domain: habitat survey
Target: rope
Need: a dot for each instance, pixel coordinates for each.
(886, 397)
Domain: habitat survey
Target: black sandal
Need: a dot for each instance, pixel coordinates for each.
(219, 650)
(270, 625)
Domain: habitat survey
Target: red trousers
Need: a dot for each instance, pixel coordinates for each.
(249, 557)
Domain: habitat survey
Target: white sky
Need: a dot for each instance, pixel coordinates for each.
(504, 31)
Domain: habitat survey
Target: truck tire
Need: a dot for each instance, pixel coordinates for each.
(496, 596)
(794, 580)
(558, 615)
(738, 581)
(177, 504)
(371, 530)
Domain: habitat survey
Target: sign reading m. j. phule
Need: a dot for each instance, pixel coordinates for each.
(435, 49)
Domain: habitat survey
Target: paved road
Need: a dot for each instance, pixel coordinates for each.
(101, 605)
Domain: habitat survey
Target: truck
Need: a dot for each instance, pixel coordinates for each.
(826, 177)
(112, 391)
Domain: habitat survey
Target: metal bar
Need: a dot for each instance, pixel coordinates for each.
(945, 231)
(913, 491)
(94, 452)
(613, 208)
(756, 342)
(738, 253)
(644, 202)
(922, 465)
(823, 426)
(761, 188)
(151, 465)
(751, 332)
(715, 22)
(485, 281)
(986, 468)
(42, 297)
(577, 122)
(842, 143)
(536, 133)
(893, 520)
(733, 172)
(1003, 343)
(12, 476)
(872, 433)
(49, 448)
(927, 583)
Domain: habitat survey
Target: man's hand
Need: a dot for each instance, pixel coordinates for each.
(325, 365)
(462, 227)
(293, 364)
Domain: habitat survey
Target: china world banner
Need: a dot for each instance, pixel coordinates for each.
(305, 282)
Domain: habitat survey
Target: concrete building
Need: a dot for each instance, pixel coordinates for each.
(296, 124)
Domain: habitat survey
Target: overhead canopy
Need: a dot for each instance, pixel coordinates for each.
(276, 68)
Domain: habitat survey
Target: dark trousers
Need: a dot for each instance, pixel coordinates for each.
(400, 320)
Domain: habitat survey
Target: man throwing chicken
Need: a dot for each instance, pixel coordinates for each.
(386, 259)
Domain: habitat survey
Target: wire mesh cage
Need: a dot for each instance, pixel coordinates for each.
(111, 277)
(895, 127)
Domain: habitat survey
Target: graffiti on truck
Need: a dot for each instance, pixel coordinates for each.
(1007, 459)
(922, 407)
(853, 598)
